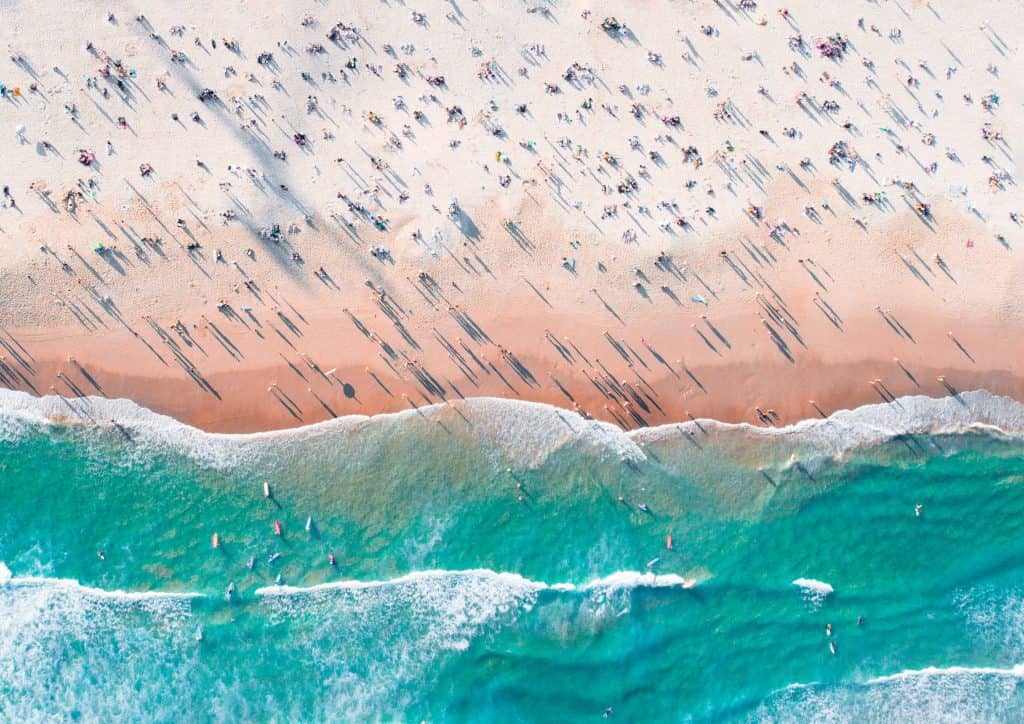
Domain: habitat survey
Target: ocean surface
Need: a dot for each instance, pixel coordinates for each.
(505, 561)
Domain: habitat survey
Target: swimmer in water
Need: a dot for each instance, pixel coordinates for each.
(828, 629)
(102, 556)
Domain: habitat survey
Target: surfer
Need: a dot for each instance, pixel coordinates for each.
(330, 560)
(832, 647)
(101, 555)
(860, 620)
(828, 629)
(266, 490)
(607, 713)
(277, 527)
(273, 557)
(917, 510)
(643, 507)
(231, 591)
(251, 562)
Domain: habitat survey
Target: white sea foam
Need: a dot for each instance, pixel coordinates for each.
(811, 584)
(994, 619)
(1016, 671)
(869, 425)
(511, 579)
(950, 694)
(421, 616)
(71, 586)
(58, 639)
(634, 579)
(620, 580)
(525, 433)
(813, 590)
(376, 642)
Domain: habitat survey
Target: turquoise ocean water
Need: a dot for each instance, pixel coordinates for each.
(509, 562)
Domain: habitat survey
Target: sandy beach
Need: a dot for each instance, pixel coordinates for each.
(250, 217)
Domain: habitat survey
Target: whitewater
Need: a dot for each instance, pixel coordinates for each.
(512, 561)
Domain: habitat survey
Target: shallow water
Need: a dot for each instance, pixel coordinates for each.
(497, 565)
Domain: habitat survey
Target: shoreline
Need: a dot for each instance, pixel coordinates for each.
(887, 419)
(169, 397)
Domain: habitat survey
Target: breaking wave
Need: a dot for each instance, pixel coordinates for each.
(525, 433)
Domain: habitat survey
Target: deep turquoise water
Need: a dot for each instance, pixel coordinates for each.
(456, 540)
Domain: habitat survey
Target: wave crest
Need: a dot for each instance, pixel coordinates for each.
(525, 433)
(620, 580)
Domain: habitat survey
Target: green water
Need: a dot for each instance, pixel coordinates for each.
(458, 551)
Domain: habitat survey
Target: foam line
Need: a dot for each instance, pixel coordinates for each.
(526, 432)
(619, 580)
